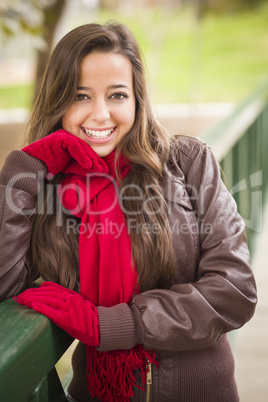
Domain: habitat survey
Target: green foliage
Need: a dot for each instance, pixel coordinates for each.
(223, 58)
(230, 6)
(18, 16)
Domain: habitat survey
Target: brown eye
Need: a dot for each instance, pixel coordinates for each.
(119, 96)
(81, 97)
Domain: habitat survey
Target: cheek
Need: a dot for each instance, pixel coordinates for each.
(133, 112)
(132, 118)
(63, 123)
(66, 120)
(70, 119)
(128, 116)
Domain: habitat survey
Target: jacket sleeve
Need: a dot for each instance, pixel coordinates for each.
(193, 315)
(18, 186)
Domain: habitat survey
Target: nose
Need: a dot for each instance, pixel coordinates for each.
(100, 111)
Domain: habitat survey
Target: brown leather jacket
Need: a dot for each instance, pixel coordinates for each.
(214, 293)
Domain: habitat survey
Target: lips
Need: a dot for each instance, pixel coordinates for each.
(98, 134)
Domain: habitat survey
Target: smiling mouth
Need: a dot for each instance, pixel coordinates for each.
(98, 133)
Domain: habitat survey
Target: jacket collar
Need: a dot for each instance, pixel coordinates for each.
(174, 189)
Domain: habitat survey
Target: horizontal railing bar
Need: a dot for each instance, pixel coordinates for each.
(30, 346)
(224, 135)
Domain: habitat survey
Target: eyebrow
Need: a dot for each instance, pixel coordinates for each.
(115, 86)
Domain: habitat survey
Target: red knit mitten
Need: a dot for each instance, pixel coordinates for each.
(66, 153)
(66, 308)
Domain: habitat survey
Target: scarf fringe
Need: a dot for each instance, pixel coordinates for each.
(110, 374)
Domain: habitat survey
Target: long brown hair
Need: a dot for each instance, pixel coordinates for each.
(147, 146)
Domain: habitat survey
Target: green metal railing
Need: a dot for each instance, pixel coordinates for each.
(240, 143)
(30, 345)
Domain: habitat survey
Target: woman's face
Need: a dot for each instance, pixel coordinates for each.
(103, 111)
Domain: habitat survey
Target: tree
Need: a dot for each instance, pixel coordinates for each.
(37, 18)
(232, 5)
(51, 18)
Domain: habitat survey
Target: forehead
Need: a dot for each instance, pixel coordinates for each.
(105, 67)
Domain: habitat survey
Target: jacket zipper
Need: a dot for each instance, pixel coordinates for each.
(148, 381)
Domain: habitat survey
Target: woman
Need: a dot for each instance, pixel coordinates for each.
(143, 254)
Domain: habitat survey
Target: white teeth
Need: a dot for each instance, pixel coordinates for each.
(98, 134)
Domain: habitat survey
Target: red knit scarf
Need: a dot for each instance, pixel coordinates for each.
(106, 275)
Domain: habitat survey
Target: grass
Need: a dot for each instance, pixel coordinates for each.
(222, 59)
(16, 96)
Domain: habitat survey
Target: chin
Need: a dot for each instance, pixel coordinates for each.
(102, 151)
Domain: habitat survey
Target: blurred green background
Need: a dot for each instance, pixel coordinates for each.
(195, 51)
